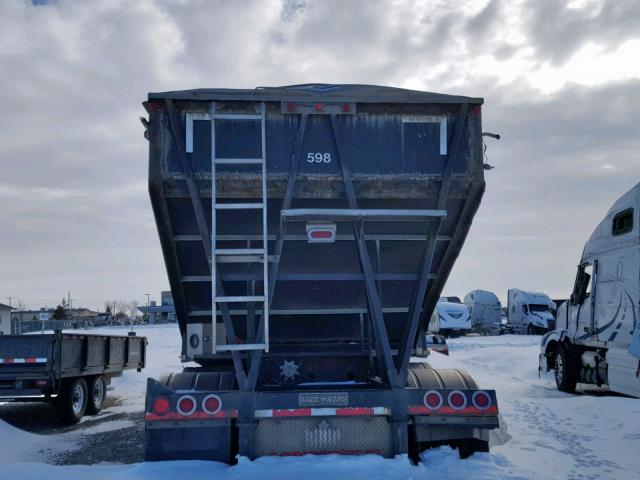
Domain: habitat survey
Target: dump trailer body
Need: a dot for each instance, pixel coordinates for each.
(40, 367)
(329, 218)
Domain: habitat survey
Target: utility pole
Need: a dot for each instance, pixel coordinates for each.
(148, 308)
(10, 298)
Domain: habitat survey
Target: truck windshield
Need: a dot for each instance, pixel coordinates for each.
(538, 308)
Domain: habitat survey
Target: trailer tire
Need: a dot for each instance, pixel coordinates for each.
(72, 402)
(97, 394)
(468, 447)
(565, 370)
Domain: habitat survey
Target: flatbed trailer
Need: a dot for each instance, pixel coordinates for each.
(307, 232)
(71, 370)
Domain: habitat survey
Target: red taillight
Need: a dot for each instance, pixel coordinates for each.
(346, 107)
(481, 400)
(433, 400)
(457, 400)
(321, 234)
(291, 107)
(186, 405)
(211, 404)
(319, 107)
(160, 406)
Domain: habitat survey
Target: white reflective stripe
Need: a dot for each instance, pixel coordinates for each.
(322, 412)
(264, 413)
(443, 136)
(23, 360)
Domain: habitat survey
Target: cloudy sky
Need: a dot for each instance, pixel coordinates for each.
(561, 84)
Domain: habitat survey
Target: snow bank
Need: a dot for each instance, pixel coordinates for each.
(443, 461)
(18, 446)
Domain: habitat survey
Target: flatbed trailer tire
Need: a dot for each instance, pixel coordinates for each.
(72, 401)
(97, 394)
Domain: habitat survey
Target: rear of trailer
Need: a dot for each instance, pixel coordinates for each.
(69, 369)
(329, 218)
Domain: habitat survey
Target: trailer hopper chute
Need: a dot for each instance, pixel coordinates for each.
(329, 218)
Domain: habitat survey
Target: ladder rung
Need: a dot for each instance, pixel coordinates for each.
(238, 161)
(241, 346)
(239, 206)
(239, 251)
(236, 116)
(243, 298)
(244, 258)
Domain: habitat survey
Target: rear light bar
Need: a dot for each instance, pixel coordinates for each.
(452, 402)
(188, 407)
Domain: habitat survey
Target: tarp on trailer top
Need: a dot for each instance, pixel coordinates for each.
(311, 91)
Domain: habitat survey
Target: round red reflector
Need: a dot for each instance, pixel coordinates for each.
(321, 234)
(211, 404)
(457, 400)
(291, 107)
(186, 405)
(346, 107)
(433, 400)
(319, 107)
(481, 400)
(160, 406)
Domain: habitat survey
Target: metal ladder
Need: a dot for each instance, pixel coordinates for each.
(241, 255)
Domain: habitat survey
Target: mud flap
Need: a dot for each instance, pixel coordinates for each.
(188, 440)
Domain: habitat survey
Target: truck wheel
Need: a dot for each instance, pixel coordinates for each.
(565, 370)
(97, 394)
(72, 402)
(468, 447)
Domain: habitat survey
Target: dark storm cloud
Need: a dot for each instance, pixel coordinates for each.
(556, 31)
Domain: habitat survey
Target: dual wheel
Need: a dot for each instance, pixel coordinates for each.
(79, 397)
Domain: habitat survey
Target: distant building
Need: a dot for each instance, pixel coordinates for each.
(5, 319)
(42, 315)
(166, 312)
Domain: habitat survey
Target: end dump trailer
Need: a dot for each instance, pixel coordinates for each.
(329, 218)
(69, 369)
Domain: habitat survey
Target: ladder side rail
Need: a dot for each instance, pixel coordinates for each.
(265, 235)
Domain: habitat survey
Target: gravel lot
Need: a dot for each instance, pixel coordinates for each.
(99, 437)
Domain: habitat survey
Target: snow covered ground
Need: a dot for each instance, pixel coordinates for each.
(545, 434)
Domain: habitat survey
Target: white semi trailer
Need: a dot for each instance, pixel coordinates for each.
(485, 310)
(597, 334)
(530, 312)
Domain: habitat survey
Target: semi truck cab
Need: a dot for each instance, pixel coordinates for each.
(530, 312)
(597, 335)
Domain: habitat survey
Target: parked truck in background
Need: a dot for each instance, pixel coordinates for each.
(485, 311)
(70, 370)
(450, 318)
(529, 312)
(307, 233)
(597, 336)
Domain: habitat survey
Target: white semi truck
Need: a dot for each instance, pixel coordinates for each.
(530, 312)
(597, 334)
(450, 318)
